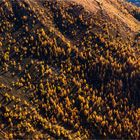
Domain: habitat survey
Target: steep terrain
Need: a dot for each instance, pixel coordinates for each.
(69, 69)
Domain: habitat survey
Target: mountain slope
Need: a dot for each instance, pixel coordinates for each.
(113, 9)
(69, 69)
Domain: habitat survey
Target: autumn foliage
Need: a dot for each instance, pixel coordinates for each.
(66, 73)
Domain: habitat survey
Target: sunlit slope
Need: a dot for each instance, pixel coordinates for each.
(113, 9)
(69, 70)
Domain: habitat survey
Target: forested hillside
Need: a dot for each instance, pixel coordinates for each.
(69, 69)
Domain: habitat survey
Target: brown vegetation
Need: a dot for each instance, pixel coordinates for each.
(66, 72)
